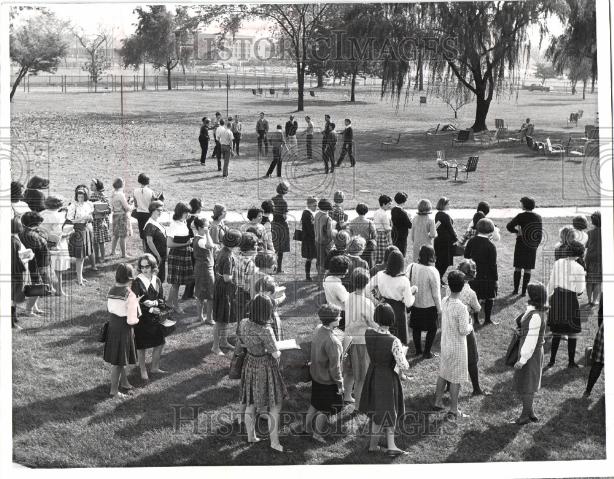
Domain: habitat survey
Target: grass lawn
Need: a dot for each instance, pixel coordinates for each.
(62, 416)
(83, 137)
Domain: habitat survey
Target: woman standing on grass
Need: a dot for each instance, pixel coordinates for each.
(262, 385)
(594, 275)
(446, 237)
(423, 229)
(100, 222)
(155, 237)
(597, 355)
(148, 332)
(18, 270)
(121, 218)
(528, 369)
(143, 197)
(323, 228)
(527, 226)
(204, 278)
(53, 224)
(124, 311)
(308, 243)
(218, 227)
(362, 226)
(38, 266)
(279, 226)
(383, 226)
(180, 269)
(382, 393)
(80, 243)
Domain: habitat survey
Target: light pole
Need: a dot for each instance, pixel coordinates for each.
(227, 89)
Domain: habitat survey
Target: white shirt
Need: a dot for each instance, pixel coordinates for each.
(335, 292)
(224, 135)
(531, 339)
(78, 213)
(177, 228)
(359, 312)
(381, 218)
(397, 288)
(143, 197)
(567, 274)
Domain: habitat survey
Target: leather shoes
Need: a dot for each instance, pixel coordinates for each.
(491, 321)
(396, 453)
(481, 392)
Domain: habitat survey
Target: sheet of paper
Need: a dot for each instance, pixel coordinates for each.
(287, 344)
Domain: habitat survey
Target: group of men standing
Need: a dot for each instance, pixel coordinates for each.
(227, 137)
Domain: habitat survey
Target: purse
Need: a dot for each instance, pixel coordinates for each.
(236, 363)
(513, 351)
(298, 235)
(104, 331)
(30, 290)
(458, 250)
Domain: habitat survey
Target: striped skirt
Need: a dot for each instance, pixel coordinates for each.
(179, 266)
(261, 382)
(80, 243)
(384, 240)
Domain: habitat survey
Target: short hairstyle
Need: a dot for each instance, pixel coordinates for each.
(261, 309)
(362, 209)
(424, 207)
(426, 255)
(338, 266)
(579, 222)
(360, 278)
(384, 200)
(16, 191)
(199, 223)
(98, 184)
(456, 281)
(154, 205)
(442, 203)
(124, 273)
(477, 217)
(143, 179)
(528, 203)
(195, 205)
(249, 241)
(324, 205)
(180, 210)
(484, 207)
(575, 249)
(118, 183)
(348, 120)
(332, 125)
(485, 226)
(221, 121)
(82, 190)
(326, 115)
(389, 250)
(217, 113)
(328, 313)
(253, 212)
(596, 219)
(151, 260)
(204, 119)
(265, 261)
(467, 267)
(384, 315)
(253, 229)
(400, 198)
(16, 226)
(31, 219)
(267, 207)
(395, 264)
(566, 234)
(339, 196)
(538, 295)
(266, 284)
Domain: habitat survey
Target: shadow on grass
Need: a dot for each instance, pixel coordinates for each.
(492, 441)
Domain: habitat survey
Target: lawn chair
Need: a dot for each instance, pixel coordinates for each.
(499, 123)
(462, 137)
(589, 133)
(272, 91)
(555, 149)
(254, 91)
(442, 163)
(469, 167)
(389, 141)
(312, 93)
(260, 91)
(581, 151)
(573, 118)
(433, 131)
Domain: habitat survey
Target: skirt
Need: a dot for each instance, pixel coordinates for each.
(17, 283)
(308, 249)
(382, 395)
(484, 288)
(281, 236)
(423, 319)
(369, 253)
(261, 382)
(384, 240)
(101, 230)
(141, 218)
(528, 379)
(80, 242)
(224, 301)
(204, 280)
(399, 329)
(524, 255)
(59, 257)
(121, 225)
(119, 347)
(325, 398)
(148, 333)
(179, 266)
(564, 312)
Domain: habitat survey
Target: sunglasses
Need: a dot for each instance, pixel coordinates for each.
(145, 266)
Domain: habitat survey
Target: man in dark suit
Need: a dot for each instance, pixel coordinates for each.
(262, 129)
(348, 141)
(203, 139)
(217, 151)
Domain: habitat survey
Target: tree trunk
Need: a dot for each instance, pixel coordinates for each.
(20, 75)
(455, 114)
(300, 80)
(593, 85)
(481, 112)
(320, 76)
(168, 76)
(573, 87)
(353, 92)
(584, 89)
(144, 85)
(419, 79)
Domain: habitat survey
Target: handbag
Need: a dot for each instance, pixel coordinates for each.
(41, 289)
(236, 363)
(458, 250)
(104, 331)
(298, 235)
(305, 373)
(513, 351)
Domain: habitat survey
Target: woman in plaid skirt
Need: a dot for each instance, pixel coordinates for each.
(80, 243)
(383, 226)
(180, 269)
(100, 222)
(121, 218)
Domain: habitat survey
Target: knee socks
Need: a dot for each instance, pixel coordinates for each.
(280, 257)
(417, 335)
(430, 338)
(571, 350)
(516, 281)
(526, 279)
(308, 269)
(473, 375)
(488, 309)
(556, 340)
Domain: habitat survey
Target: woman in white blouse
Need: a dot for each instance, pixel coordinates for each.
(383, 227)
(393, 287)
(80, 243)
(180, 267)
(567, 282)
(53, 224)
(143, 196)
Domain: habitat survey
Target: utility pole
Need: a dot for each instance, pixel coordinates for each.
(227, 89)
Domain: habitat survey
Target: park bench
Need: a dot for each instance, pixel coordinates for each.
(462, 137)
(432, 131)
(591, 132)
(470, 167)
(390, 141)
(500, 124)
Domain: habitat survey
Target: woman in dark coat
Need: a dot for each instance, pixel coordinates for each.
(18, 270)
(382, 394)
(446, 237)
(401, 224)
(528, 369)
(279, 225)
(154, 235)
(34, 195)
(527, 226)
(483, 252)
(38, 266)
(308, 243)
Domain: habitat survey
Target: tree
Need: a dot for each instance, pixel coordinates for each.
(543, 71)
(96, 49)
(455, 96)
(133, 54)
(37, 46)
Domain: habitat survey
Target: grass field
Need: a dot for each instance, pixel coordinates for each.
(62, 415)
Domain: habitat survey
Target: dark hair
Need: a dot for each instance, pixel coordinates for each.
(195, 205)
(442, 203)
(82, 190)
(389, 249)
(154, 205)
(151, 260)
(426, 255)
(118, 183)
(264, 261)
(266, 284)
(221, 121)
(143, 179)
(575, 249)
(217, 113)
(384, 315)
(260, 309)
(359, 279)
(16, 191)
(484, 207)
(31, 219)
(348, 120)
(180, 210)
(253, 213)
(456, 281)
(477, 217)
(253, 229)
(338, 265)
(332, 125)
(538, 295)
(204, 118)
(328, 313)
(362, 209)
(324, 205)
(384, 200)
(198, 223)
(485, 226)
(528, 203)
(16, 226)
(98, 184)
(596, 219)
(248, 242)
(267, 207)
(579, 222)
(124, 273)
(395, 264)
(400, 198)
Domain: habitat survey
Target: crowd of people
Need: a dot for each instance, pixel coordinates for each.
(374, 291)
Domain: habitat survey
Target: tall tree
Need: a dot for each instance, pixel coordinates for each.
(544, 71)
(37, 46)
(96, 48)
(133, 54)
